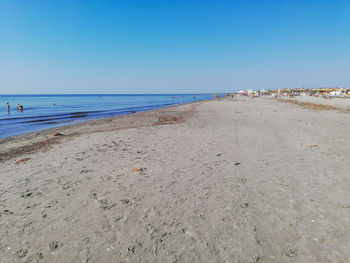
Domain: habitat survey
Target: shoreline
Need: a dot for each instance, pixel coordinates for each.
(39, 114)
(33, 141)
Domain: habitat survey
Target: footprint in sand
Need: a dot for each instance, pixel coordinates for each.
(53, 245)
(26, 194)
(21, 253)
(244, 205)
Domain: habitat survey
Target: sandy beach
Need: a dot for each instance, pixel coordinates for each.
(240, 180)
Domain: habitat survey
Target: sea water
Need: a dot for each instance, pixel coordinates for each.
(46, 111)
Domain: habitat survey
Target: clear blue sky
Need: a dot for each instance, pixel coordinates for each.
(172, 46)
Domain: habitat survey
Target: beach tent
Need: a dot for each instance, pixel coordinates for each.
(243, 92)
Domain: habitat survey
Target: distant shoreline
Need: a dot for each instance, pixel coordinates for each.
(113, 94)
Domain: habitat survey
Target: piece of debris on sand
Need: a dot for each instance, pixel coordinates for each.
(311, 145)
(141, 170)
(57, 134)
(22, 160)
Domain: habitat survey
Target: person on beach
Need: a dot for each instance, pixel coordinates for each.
(8, 106)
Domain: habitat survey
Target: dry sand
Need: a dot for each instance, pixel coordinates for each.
(244, 180)
(343, 103)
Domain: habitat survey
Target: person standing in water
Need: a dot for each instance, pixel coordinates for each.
(8, 106)
(19, 107)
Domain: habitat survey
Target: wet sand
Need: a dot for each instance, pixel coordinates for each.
(243, 180)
